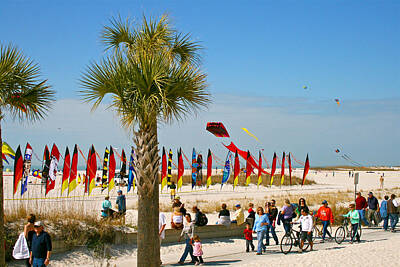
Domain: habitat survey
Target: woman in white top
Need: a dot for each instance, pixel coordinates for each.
(177, 219)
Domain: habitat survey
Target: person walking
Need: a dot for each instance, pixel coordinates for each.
(187, 233)
(287, 215)
(197, 250)
(260, 226)
(248, 235)
(355, 221)
(384, 213)
(361, 205)
(306, 224)
(373, 207)
(121, 203)
(29, 231)
(271, 212)
(381, 181)
(251, 214)
(41, 247)
(393, 212)
(325, 214)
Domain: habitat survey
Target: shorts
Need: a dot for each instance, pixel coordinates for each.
(305, 235)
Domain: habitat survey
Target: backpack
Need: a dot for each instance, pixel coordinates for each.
(202, 219)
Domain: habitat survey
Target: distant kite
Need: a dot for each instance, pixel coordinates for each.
(337, 101)
(217, 129)
(249, 133)
(337, 150)
(305, 87)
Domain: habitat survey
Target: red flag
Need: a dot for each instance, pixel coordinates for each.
(273, 168)
(163, 170)
(290, 169)
(236, 170)
(111, 170)
(18, 168)
(73, 172)
(283, 168)
(92, 170)
(209, 168)
(181, 168)
(86, 178)
(249, 169)
(66, 170)
(259, 169)
(306, 168)
(54, 159)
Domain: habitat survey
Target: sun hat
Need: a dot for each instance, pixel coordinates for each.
(38, 224)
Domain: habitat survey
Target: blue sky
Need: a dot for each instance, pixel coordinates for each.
(258, 55)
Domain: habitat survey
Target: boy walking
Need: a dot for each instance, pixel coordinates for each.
(248, 235)
(306, 223)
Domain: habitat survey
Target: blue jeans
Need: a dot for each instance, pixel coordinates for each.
(286, 225)
(38, 262)
(394, 218)
(271, 229)
(354, 228)
(385, 222)
(188, 250)
(325, 229)
(260, 238)
(362, 217)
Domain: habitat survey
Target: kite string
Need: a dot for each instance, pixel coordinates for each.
(299, 162)
(190, 164)
(265, 159)
(217, 159)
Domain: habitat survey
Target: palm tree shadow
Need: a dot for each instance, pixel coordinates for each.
(212, 263)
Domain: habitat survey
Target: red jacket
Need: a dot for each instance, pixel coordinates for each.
(248, 234)
(361, 203)
(325, 214)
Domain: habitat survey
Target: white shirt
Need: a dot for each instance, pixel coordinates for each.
(395, 203)
(162, 221)
(306, 223)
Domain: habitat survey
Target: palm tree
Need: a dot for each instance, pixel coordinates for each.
(151, 75)
(23, 95)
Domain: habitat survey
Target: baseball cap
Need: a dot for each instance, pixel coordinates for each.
(324, 202)
(370, 193)
(237, 205)
(178, 197)
(38, 224)
(119, 191)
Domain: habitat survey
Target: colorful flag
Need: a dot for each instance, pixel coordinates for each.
(169, 175)
(46, 166)
(273, 168)
(181, 168)
(209, 168)
(132, 172)
(163, 169)
(7, 151)
(290, 169)
(92, 170)
(111, 170)
(283, 169)
(27, 167)
(122, 171)
(66, 171)
(199, 176)
(236, 170)
(18, 168)
(306, 168)
(259, 169)
(74, 170)
(53, 169)
(227, 169)
(249, 169)
(194, 168)
(104, 180)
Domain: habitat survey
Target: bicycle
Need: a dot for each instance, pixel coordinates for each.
(343, 231)
(290, 239)
(318, 230)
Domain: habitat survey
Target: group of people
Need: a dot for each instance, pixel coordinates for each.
(106, 207)
(34, 244)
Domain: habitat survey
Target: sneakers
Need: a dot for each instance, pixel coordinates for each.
(247, 250)
(258, 253)
(181, 262)
(197, 263)
(300, 250)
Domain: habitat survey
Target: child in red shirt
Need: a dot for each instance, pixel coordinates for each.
(248, 235)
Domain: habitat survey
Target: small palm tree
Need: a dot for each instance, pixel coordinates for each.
(151, 75)
(23, 95)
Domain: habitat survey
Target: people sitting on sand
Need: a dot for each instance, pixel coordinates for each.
(238, 216)
(224, 216)
(107, 211)
(177, 219)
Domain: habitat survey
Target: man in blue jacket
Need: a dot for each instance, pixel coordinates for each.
(260, 226)
(41, 247)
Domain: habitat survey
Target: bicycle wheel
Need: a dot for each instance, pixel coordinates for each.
(329, 229)
(359, 230)
(306, 244)
(315, 233)
(286, 244)
(340, 234)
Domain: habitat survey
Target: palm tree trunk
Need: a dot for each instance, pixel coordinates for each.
(2, 233)
(148, 205)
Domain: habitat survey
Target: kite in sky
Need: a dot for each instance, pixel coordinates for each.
(337, 150)
(217, 129)
(305, 87)
(337, 101)
(249, 133)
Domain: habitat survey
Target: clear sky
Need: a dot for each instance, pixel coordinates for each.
(258, 55)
